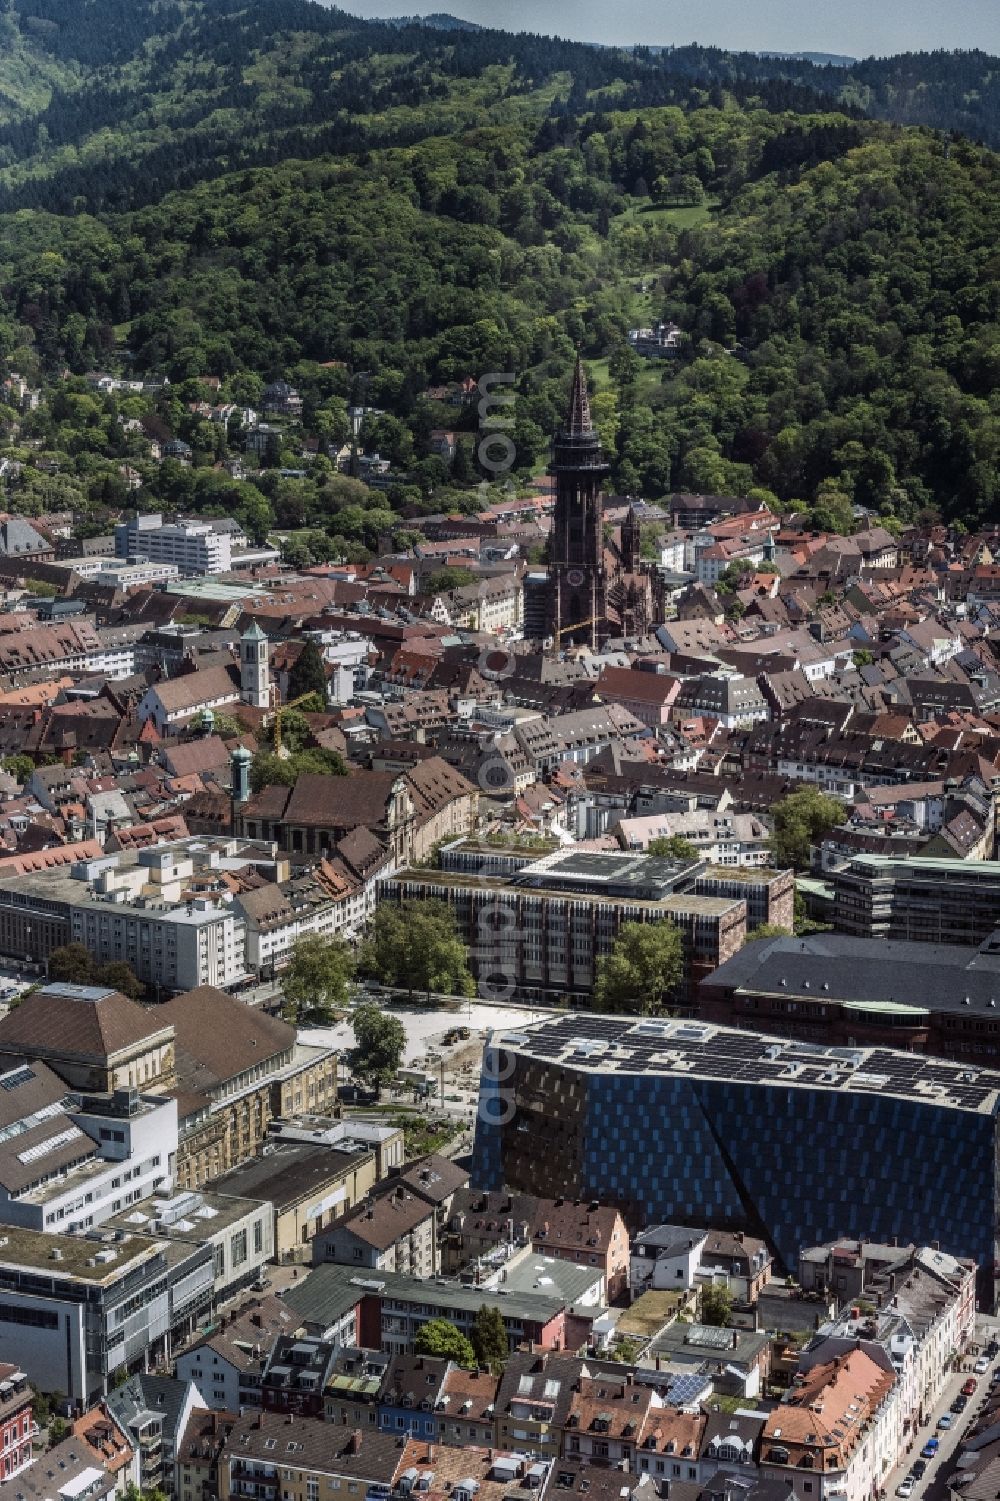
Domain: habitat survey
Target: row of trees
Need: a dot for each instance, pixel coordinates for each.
(485, 1347)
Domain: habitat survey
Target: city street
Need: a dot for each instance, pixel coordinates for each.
(933, 1486)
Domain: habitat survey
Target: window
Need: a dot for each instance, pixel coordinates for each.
(238, 1248)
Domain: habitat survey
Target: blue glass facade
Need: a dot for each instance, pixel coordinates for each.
(799, 1165)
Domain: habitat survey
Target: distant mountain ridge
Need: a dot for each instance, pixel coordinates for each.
(820, 59)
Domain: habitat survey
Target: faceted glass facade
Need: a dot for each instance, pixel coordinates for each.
(799, 1165)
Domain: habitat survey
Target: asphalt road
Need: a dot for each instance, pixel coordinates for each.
(934, 1487)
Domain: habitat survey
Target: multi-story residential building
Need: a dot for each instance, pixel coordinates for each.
(467, 1406)
(137, 906)
(541, 930)
(296, 1373)
(585, 1233)
(615, 1109)
(392, 1307)
(919, 1313)
(198, 1452)
(608, 1419)
(192, 547)
(674, 1256)
(352, 1393)
(323, 1457)
(227, 1366)
(533, 1401)
(399, 1227)
(925, 900)
(155, 1412)
(831, 1436)
(395, 1232)
(16, 1421)
(411, 1396)
(325, 901)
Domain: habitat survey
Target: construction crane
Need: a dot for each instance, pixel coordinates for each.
(292, 704)
(578, 625)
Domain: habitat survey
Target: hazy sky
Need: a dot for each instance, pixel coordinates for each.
(856, 27)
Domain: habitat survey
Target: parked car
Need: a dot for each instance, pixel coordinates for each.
(969, 1388)
(930, 1448)
(982, 1365)
(993, 1349)
(919, 1469)
(944, 1421)
(905, 1487)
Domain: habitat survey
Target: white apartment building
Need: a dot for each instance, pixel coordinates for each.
(194, 547)
(139, 910)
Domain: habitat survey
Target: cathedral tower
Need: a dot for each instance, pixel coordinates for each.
(577, 570)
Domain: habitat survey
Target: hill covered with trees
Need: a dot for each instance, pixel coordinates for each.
(247, 191)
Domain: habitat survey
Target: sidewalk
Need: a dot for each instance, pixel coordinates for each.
(933, 1486)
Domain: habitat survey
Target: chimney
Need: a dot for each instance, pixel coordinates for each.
(354, 1447)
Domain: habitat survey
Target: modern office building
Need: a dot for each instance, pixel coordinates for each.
(75, 1310)
(690, 1123)
(538, 928)
(926, 900)
(193, 546)
(144, 907)
(835, 989)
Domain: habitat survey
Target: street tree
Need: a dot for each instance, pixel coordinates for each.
(489, 1338)
(307, 673)
(643, 971)
(672, 847)
(801, 820)
(74, 964)
(716, 1305)
(316, 981)
(379, 1043)
(416, 946)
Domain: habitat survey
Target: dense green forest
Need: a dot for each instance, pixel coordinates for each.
(245, 191)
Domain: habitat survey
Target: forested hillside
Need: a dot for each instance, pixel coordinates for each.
(206, 187)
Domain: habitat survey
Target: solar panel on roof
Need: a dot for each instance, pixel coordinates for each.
(685, 1389)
